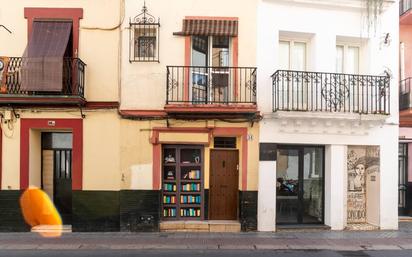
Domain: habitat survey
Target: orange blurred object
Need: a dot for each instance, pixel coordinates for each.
(39, 210)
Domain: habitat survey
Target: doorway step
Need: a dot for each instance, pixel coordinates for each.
(302, 228)
(361, 226)
(200, 226)
(52, 228)
(405, 219)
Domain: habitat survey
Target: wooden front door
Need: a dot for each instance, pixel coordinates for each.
(224, 184)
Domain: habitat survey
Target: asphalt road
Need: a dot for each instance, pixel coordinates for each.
(205, 253)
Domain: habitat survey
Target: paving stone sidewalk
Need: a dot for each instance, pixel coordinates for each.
(325, 240)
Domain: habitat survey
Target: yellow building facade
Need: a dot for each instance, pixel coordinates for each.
(155, 119)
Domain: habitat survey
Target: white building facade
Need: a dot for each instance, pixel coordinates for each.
(327, 91)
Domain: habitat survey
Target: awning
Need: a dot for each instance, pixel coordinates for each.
(208, 28)
(42, 63)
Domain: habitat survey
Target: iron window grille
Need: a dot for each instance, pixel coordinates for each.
(144, 37)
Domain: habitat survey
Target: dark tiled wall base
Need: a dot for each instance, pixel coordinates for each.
(248, 210)
(95, 211)
(206, 203)
(11, 218)
(139, 210)
(408, 200)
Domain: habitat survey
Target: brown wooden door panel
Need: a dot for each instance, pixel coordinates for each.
(224, 181)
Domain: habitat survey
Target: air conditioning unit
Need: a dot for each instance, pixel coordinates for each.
(4, 63)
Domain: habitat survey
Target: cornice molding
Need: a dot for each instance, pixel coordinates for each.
(352, 4)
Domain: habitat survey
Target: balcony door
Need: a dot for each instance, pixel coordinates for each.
(210, 69)
(294, 89)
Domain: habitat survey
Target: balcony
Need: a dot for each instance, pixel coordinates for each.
(72, 92)
(404, 12)
(330, 92)
(197, 89)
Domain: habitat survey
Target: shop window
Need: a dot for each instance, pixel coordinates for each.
(144, 38)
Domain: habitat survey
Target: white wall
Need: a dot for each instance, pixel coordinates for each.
(328, 22)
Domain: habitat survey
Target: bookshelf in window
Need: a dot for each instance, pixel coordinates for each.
(182, 182)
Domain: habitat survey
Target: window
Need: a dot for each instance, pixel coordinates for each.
(144, 38)
(347, 59)
(292, 55)
(145, 47)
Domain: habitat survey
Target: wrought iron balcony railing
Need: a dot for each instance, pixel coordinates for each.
(330, 92)
(72, 83)
(211, 85)
(405, 94)
(404, 6)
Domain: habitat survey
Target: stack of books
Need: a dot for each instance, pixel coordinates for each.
(190, 199)
(169, 199)
(170, 212)
(190, 212)
(169, 187)
(191, 187)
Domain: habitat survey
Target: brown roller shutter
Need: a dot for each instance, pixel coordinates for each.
(42, 63)
(209, 28)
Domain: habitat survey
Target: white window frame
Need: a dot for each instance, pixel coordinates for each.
(345, 54)
(292, 42)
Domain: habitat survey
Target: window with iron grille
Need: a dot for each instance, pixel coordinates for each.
(144, 38)
(224, 142)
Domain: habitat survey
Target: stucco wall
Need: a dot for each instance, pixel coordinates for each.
(101, 155)
(405, 32)
(137, 152)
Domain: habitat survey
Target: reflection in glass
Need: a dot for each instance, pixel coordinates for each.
(312, 185)
(299, 185)
(287, 186)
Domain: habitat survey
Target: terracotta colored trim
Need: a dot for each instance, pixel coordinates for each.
(1, 154)
(157, 153)
(188, 55)
(212, 18)
(182, 130)
(76, 127)
(102, 105)
(73, 14)
(143, 113)
(242, 132)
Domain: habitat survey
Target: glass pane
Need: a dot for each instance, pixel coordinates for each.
(299, 56)
(312, 185)
(339, 59)
(287, 187)
(220, 52)
(199, 50)
(220, 76)
(352, 63)
(284, 50)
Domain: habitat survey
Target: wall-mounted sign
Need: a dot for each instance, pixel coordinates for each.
(267, 152)
(51, 123)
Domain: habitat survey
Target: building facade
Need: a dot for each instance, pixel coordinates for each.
(405, 131)
(154, 115)
(60, 129)
(326, 90)
(188, 98)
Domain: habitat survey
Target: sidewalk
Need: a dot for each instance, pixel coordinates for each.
(323, 240)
